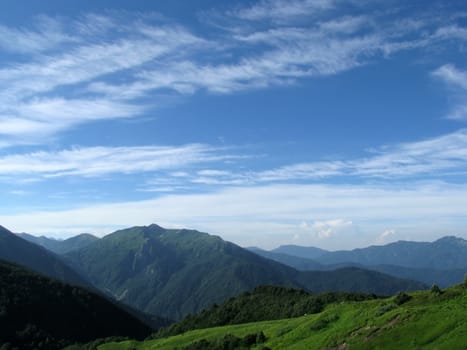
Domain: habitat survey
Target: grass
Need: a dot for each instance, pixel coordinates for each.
(426, 321)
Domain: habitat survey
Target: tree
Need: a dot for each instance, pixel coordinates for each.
(401, 298)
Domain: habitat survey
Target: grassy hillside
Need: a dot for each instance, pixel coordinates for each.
(40, 313)
(261, 304)
(172, 273)
(426, 321)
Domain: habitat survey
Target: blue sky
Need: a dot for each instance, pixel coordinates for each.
(331, 123)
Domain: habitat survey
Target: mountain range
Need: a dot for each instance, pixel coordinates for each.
(172, 272)
(442, 262)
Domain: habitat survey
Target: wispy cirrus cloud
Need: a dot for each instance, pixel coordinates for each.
(114, 62)
(282, 11)
(39, 118)
(275, 55)
(99, 161)
(428, 159)
(47, 93)
(456, 81)
(46, 34)
(431, 158)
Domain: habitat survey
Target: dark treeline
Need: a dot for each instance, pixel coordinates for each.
(40, 313)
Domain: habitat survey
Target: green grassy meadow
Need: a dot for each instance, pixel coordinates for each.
(426, 321)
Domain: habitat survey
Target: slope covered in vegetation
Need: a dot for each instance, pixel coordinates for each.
(418, 320)
(263, 303)
(19, 251)
(40, 313)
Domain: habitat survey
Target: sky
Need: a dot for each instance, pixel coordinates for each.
(328, 123)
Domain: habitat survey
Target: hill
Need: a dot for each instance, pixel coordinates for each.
(61, 246)
(17, 250)
(261, 304)
(40, 313)
(420, 320)
(172, 273)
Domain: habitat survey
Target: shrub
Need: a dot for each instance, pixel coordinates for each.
(323, 322)
(436, 290)
(402, 298)
(385, 308)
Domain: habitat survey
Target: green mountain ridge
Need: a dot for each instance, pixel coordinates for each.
(17, 250)
(171, 272)
(37, 312)
(61, 246)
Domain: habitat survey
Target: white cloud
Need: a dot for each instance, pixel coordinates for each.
(452, 76)
(19, 192)
(98, 161)
(38, 119)
(247, 215)
(456, 80)
(431, 158)
(386, 236)
(327, 228)
(280, 66)
(109, 63)
(282, 11)
(46, 93)
(47, 34)
(89, 61)
(281, 55)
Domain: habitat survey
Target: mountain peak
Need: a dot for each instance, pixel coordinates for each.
(452, 240)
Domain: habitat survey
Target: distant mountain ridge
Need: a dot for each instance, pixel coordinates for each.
(297, 262)
(300, 251)
(17, 250)
(442, 262)
(61, 246)
(445, 253)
